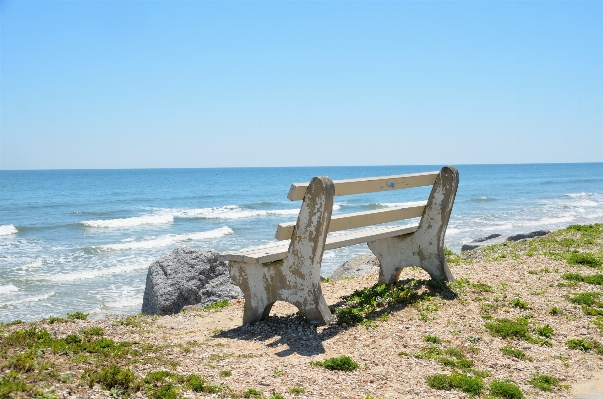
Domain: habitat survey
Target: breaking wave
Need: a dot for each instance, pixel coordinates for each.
(129, 222)
(166, 240)
(8, 229)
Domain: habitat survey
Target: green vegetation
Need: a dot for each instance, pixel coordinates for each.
(275, 395)
(225, 373)
(343, 363)
(545, 331)
(589, 301)
(596, 279)
(252, 393)
(432, 338)
(584, 259)
(458, 381)
(77, 316)
(554, 311)
(518, 303)
(218, 305)
(505, 389)
(369, 304)
(297, 390)
(507, 328)
(519, 329)
(516, 353)
(114, 376)
(584, 345)
(450, 357)
(544, 382)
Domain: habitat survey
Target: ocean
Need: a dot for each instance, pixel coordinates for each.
(82, 240)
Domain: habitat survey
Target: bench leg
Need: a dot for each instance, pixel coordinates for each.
(425, 247)
(264, 284)
(295, 279)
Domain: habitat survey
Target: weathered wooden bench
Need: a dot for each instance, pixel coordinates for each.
(290, 271)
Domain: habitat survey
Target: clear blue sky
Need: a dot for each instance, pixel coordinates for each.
(117, 84)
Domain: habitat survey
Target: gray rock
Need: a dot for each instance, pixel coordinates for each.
(483, 241)
(358, 266)
(519, 237)
(187, 277)
(498, 238)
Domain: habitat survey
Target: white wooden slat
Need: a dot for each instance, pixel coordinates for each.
(274, 253)
(370, 184)
(284, 231)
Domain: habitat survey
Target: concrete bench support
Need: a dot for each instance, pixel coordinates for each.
(296, 278)
(425, 247)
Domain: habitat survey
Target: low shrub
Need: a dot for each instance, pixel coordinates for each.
(456, 380)
(343, 363)
(544, 382)
(505, 389)
(584, 259)
(514, 352)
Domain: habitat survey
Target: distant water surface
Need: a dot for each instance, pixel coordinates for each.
(82, 239)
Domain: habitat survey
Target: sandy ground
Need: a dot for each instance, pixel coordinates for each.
(274, 355)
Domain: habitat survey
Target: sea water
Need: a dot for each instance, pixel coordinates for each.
(82, 240)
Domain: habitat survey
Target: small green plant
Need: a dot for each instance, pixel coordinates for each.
(545, 331)
(252, 393)
(514, 352)
(94, 331)
(275, 395)
(198, 384)
(518, 303)
(166, 391)
(507, 328)
(432, 338)
(595, 279)
(544, 382)
(297, 390)
(342, 363)
(584, 259)
(554, 311)
(456, 380)
(218, 305)
(278, 373)
(77, 316)
(584, 345)
(225, 373)
(449, 357)
(114, 376)
(505, 389)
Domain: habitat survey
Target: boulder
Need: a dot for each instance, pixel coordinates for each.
(522, 237)
(187, 277)
(358, 266)
(498, 238)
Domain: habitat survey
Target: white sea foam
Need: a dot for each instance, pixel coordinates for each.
(27, 299)
(166, 240)
(130, 222)
(395, 204)
(8, 229)
(578, 195)
(7, 289)
(96, 273)
(229, 212)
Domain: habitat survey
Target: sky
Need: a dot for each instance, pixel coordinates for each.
(187, 84)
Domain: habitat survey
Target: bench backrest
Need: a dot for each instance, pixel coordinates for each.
(361, 186)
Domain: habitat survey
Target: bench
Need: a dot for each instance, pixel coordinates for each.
(290, 270)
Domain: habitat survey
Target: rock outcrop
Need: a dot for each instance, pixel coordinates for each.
(187, 277)
(498, 238)
(358, 266)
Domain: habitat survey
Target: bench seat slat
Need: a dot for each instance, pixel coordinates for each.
(278, 252)
(370, 184)
(348, 221)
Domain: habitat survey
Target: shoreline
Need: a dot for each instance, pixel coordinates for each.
(274, 357)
